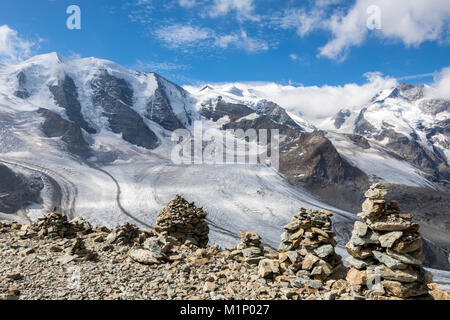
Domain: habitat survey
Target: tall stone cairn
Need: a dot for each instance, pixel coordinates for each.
(307, 247)
(184, 221)
(386, 250)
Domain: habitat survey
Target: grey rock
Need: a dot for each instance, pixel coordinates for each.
(360, 229)
(387, 240)
(388, 261)
(301, 283)
(324, 251)
(370, 238)
(405, 258)
(357, 263)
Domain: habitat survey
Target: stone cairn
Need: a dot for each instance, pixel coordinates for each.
(128, 234)
(386, 250)
(53, 225)
(307, 247)
(184, 221)
(250, 249)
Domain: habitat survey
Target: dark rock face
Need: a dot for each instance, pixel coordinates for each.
(159, 108)
(362, 126)
(413, 152)
(222, 109)
(313, 159)
(16, 191)
(312, 162)
(435, 106)
(276, 113)
(66, 96)
(360, 141)
(410, 92)
(69, 132)
(407, 92)
(262, 122)
(115, 97)
(21, 91)
(340, 117)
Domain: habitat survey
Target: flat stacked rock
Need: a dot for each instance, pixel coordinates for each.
(184, 221)
(307, 246)
(386, 250)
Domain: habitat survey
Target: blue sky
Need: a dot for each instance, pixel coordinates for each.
(324, 42)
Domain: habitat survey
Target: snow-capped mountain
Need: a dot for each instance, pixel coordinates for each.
(238, 93)
(98, 95)
(407, 123)
(98, 136)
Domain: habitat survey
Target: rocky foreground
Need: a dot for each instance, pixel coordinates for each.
(54, 258)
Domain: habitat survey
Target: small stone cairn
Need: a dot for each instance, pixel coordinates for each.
(184, 221)
(53, 225)
(386, 250)
(128, 234)
(307, 246)
(251, 249)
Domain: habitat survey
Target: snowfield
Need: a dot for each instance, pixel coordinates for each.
(377, 162)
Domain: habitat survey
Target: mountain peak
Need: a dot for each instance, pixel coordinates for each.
(54, 57)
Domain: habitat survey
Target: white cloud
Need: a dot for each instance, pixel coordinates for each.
(13, 48)
(441, 86)
(153, 66)
(412, 22)
(243, 8)
(178, 36)
(293, 57)
(181, 35)
(315, 103)
(187, 3)
(74, 55)
(251, 45)
(304, 22)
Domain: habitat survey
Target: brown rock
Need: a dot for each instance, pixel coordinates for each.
(356, 277)
(268, 268)
(407, 290)
(437, 293)
(408, 246)
(309, 261)
(397, 275)
(298, 234)
(143, 256)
